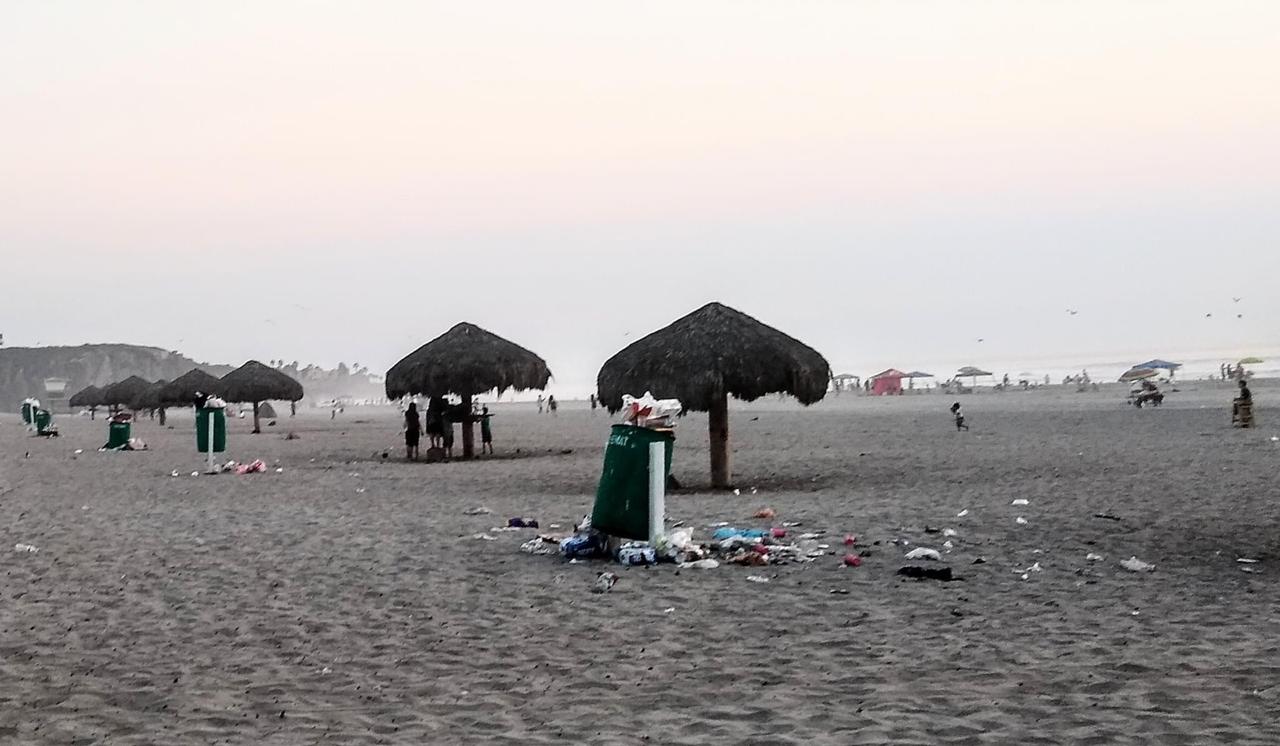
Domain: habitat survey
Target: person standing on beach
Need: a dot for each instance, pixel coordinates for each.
(552, 406)
(412, 432)
(539, 403)
(593, 401)
(446, 424)
(435, 423)
(959, 415)
(486, 432)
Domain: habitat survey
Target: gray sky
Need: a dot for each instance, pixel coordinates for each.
(888, 181)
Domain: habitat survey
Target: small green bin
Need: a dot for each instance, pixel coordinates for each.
(44, 418)
(219, 430)
(28, 413)
(118, 435)
(622, 499)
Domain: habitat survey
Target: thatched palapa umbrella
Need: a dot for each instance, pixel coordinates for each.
(255, 383)
(123, 393)
(466, 361)
(89, 396)
(706, 357)
(183, 389)
(149, 400)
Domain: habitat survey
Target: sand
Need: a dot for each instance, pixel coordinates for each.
(344, 600)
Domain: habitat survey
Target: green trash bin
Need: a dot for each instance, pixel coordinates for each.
(28, 412)
(622, 499)
(118, 435)
(219, 430)
(44, 418)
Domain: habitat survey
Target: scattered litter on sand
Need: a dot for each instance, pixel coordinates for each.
(1020, 521)
(484, 537)
(767, 514)
(962, 513)
(1133, 564)
(852, 560)
(1020, 501)
(949, 532)
(1092, 557)
(670, 610)
(604, 583)
(1107, 516)
(704, 564)
(922, 553)
(1246, 561)
(757, 579)
(28, 548)
(478, 510)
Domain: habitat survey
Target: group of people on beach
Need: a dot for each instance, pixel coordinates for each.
(439, 421)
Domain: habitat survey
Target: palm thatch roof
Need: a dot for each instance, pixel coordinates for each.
(466, 360)
(183, 389)
(713, 351)
(89, 396)
(149, 398)
(123, 393)
(254, 382)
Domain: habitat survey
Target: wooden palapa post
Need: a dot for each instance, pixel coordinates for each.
(468, 431)
(718, 422)
(256, 429)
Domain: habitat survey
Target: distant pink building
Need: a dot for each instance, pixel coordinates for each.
(888, 383)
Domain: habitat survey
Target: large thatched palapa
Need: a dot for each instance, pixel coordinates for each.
(706, 357)
(149, 400)
(122, 393)
(466, 361)
(254, 383)
(184, 388)
(89, 396)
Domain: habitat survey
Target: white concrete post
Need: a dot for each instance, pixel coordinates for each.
(657, 490)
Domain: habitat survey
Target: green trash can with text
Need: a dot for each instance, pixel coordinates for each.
(219, 430)
(622, 498)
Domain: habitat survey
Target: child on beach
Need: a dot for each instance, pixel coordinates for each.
(959, 415)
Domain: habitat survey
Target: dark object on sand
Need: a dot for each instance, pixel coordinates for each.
(927, 573)
(1107, 516)
(254, 383)
(466, 361)
(704, 358)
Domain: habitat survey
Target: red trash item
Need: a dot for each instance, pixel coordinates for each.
(852, 560)
(766, 513)
(779, 533)
(850, 540)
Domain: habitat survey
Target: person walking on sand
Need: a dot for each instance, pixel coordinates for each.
(486, 432)
(412, 432)
(959, 415)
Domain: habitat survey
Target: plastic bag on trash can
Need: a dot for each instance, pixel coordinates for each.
(646, 411)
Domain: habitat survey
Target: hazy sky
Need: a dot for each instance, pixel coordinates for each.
(888, 181)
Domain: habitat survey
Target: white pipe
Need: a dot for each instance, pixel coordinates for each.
(657, 490)
(210, 441)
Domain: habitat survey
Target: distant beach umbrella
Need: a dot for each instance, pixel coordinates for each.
(89, 396)
(1251, 361)
(707, 356)
(254, 383)
(183, 389)
(918, 374)
(466, 361)
(1138, 374)
(1158, 364)
(122, 393)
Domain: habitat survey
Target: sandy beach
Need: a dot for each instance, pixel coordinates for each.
(345, 600)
